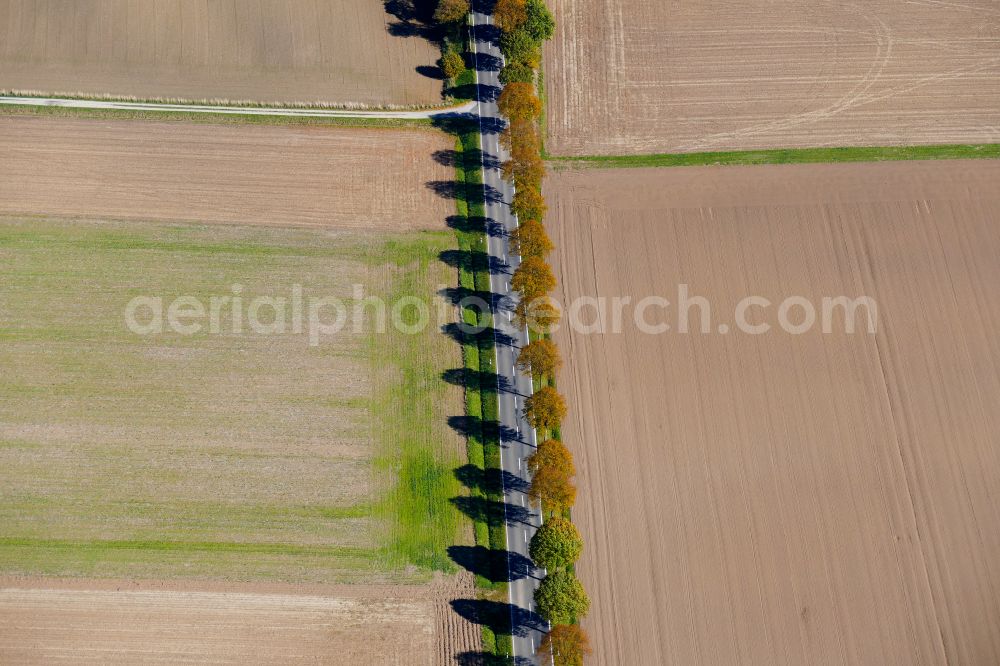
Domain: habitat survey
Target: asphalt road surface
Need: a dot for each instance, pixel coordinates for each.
(518, 438)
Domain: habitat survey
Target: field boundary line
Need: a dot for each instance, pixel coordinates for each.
(780, 156)
(275, 111)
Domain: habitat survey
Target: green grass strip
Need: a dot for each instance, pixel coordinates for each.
(189, 546)
(784, 156)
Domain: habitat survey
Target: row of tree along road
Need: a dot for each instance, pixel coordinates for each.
(557, 545)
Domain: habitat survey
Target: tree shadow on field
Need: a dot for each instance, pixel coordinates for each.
(480, 301)
(490, 483)
(502, 618)
(492, 512)
(431, 72)
(474, 260)
(475, 194)
(489, 382)
(496, 566)
(468, 159)
(413, 18)
(462, 123)
(480, 92)
(470, 426)
(466, 335)
(487, 659)
(476, 223)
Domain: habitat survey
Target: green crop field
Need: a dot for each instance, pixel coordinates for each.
(228, 455)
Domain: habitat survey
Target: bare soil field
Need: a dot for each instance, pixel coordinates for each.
(647, 76)
(102, 622)
(310, 51)
(304, 176)
(779, 498)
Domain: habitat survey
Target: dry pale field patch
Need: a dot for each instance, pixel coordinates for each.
(118, 622)
(789, 499)
(648, 76)
(246, 174)
(316, 51)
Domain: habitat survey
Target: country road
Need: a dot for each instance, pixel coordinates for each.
(518, 439)
(287, 112)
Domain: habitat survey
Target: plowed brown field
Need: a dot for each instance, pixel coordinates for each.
(293, 175)
(121, 622)
(330, 51)
(648, 76)
(789, 499)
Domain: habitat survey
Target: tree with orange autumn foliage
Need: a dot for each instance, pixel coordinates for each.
(531, 240)
(553, 454)
(553, 488)
(545, 409)
(519, 102)
(540, 314)
(511, 15)
(533, 278)
(566, 645)
(540, 357)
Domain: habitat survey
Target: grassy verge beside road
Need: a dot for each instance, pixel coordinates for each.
(781, 156)
(479, 357)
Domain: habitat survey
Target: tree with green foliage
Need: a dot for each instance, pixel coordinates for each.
(556, 545)
(545, 409)
(452, 64)
(540, 357)
(451, 11)
(528, 204)
(519, 46)
(566, 645)
(517, 72)
(561, 599)
(539, 23)
(533, 278)
(531, 240)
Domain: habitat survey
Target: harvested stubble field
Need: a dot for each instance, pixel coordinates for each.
(305, 176)
(112, 622)
(289, 51)
(647, 76)
(788, 499)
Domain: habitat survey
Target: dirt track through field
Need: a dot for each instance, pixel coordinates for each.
(647, 76)
(330, 51)
(303, 176)
(788, 499)
(122, 622)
